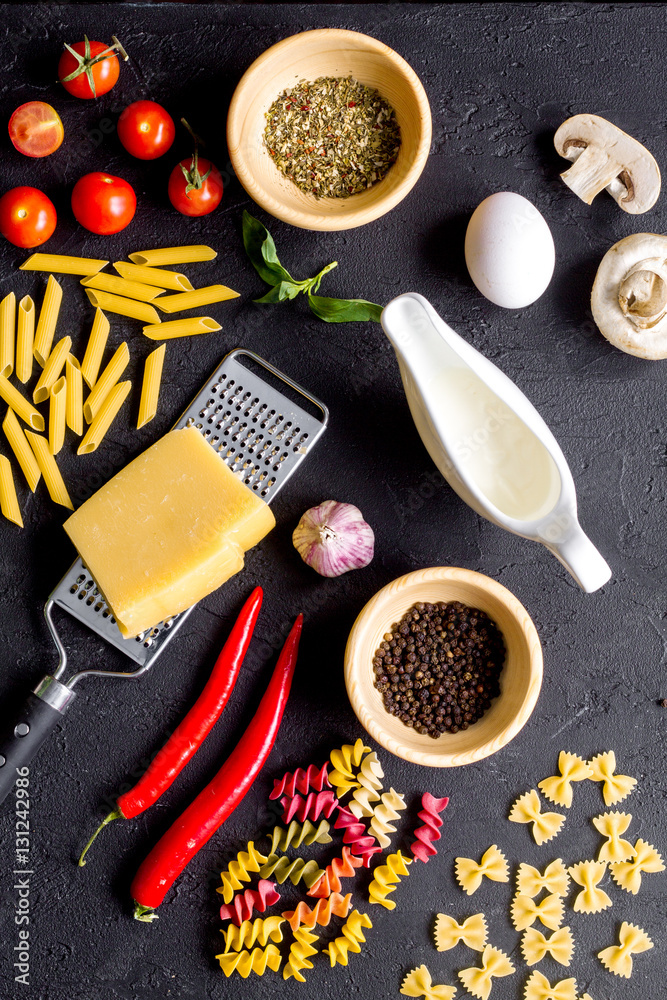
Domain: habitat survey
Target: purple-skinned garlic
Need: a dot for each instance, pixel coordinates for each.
(333, 538)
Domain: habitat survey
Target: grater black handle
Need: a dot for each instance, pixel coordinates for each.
(21, 739)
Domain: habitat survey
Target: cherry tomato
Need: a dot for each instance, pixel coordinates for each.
(36, 129)
(195, 186)
(146, 130)
(102, 203)
(89, 69)
(27, 217)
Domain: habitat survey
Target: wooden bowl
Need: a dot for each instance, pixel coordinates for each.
(520, 680)
(307, 56)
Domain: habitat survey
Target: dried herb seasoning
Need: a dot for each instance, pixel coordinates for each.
(334, 137)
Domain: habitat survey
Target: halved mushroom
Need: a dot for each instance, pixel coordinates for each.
(606, 157)
(629, 297)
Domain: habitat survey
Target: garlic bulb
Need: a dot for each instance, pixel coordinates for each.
(333, 538)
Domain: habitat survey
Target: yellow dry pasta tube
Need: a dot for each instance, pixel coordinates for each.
(194, 300)
(150, 388)
(590, 899)
(345, 763)
(385, 812)
(632, 941)
(628, 874)
(250, 932)
(611, 825)
(122, 286)
(245, 962)
(528, 809)
(20, 405)
(104, 418)
(57, 415)
(9, 503)
(122, 306)
(52, 369)
(154, 276)
(106, 381)
(615, 787)
(559, 789)
(239, 871)
(525, 911)
(418, 983)
(495, 963)
(7, 334)
(469, 873)
(385, 879)
(74, 396)
(538, 987)
(448, 932)
(49, 469)
(97, 341)
(181, 328)
(62, 264)
(369, 776)
(535, 946)
(350, 940)
(172, 255)
(48, 317)
(530, 881)
(25, 338)
(22, 450)
(299, 954)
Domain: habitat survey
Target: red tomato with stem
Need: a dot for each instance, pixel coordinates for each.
(90, 69)
(102, 203)
(192, 192)
(27, 217)
(146, 130)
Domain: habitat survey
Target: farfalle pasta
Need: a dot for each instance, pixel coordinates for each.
(250, 932)
(628, 874)
(418, 983)
(538, 987)
(245, 962)
(495, 964)
(345, 762)
(472, 932)
(314, 805)
(559, 788)
(296, 870)
(299, 955)
(591, 899)
(303, 915)
(330, 879)
(422, 846)
(384, 815)
(535, 946)
(618, 958)
(525, 911)
(469, 873)
(611, 825)
(356, 836)
(298, 835)
(302, 781)
(243, 906)
(369, 778)
(555, 879)
(615, 787)
(351, 938)
(386, 877)
(528, 809)
(239, 871)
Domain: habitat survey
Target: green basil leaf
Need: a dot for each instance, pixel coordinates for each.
(344, 310)
(262, 252)
(281, 292)
(314, 283)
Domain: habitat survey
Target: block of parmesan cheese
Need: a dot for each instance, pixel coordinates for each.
(167, 530)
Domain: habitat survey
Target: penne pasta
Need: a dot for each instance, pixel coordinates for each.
(48, 317)
(7, 334)
(122, 286)
(172, 255)
(25, 338)
(194, 300)
(150, 389)
(62, 264)
(104, 418)
(181, 328)
(122, 306)
(9, 502)
(22, 450)
(106, 382)
(49, 469)
(21, 406)
(74, 395)
(154, 276)
(52, 370)
(97, 341)
(57, 414)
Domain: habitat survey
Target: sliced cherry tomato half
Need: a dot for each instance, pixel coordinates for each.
(146, 130)
(35, 129)
(90, 69)
(27, 217)
(102, 203)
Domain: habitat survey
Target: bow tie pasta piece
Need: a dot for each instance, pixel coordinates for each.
(632, 941)
(494, 964)
(299, 954)
(538, 987)
(469, 873)
(528, 809)
(611, 825)
(525, 911)
(345, 763)
(555, 879)
(418, 983)
(615, 787)
(628, 874)
(448, 933)
(369, 776)
(535, 946)
(559, 789)
(590, 899)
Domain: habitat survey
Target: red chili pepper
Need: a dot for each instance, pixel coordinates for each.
(194, 727)
(217, 801)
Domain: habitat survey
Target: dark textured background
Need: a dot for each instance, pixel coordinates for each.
(500, 78)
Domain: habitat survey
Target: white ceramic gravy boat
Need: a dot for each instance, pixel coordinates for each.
(487, 439)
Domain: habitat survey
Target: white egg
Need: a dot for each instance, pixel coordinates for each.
(509, 250)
